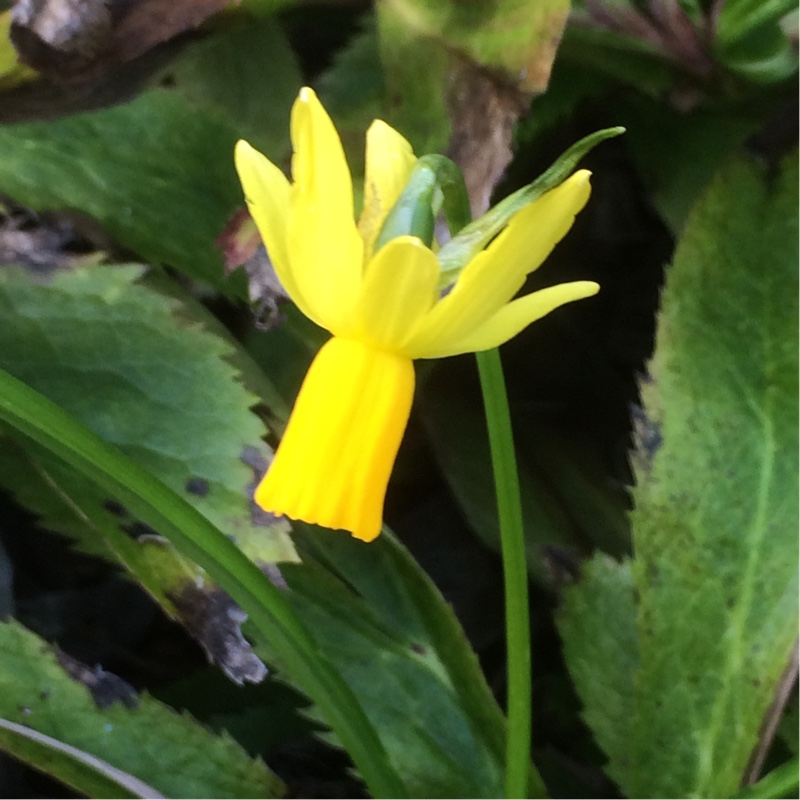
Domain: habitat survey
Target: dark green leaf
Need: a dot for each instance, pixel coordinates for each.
(247, 76)
(381, 621)
(157, 173)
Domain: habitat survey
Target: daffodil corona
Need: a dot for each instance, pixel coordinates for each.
(383, 307)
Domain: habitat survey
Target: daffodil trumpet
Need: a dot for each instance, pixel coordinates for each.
(379, 297)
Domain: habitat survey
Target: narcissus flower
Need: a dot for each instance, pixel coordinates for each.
(383, 307)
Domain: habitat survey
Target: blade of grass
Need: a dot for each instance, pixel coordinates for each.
(155, 504)
(522, 779)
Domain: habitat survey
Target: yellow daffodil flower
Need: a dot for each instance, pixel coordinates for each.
(383, 308)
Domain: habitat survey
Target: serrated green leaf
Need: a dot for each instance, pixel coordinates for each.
(597, 623)
(50, 693)
(716, 523)
(134, 365)
(381, 621)
(129, 363)
(156, 173)
(45, 423)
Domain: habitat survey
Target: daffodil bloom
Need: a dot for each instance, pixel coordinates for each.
(383, 307)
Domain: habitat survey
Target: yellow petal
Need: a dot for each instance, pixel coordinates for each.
(267, 193)
(494, 276)
(333, 464)
(399, 288)
(325, 246)
(511, 319)
(389, 161)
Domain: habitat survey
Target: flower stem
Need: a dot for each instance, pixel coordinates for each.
(521, 776)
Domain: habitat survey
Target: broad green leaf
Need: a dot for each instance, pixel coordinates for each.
(381, 621)
(715, 525)
(248, 77)
(97, 712)
(156, 173)
(135, 366)
(597, 622)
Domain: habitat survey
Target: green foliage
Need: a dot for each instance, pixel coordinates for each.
(715, 574)
(156, 173)
(374, 614)
(97, 712)
(598, 625)
(751, 42)
(716, 518)
(134, 365)
(248, 77)
(676, 647)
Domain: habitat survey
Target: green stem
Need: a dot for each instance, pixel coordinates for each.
(194, 536)
(522, 779)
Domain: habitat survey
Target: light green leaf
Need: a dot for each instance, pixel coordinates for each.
(156, 173)
(134, 366)
(94, 711)
(715, 525)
